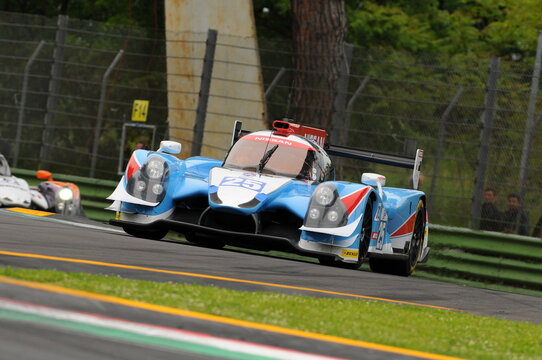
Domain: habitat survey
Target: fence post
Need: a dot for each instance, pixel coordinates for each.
(101, 108)
(24, 91)
(531, 123)
(54, 87)
(440, 144)
(485, 137)
(339, 133)
(276, 79)
(352, 101)
(205, 87)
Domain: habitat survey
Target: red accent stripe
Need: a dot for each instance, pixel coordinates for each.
(407, 227)
(132, 167)
(352, 200)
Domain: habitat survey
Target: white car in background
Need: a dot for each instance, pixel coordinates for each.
(15, 192)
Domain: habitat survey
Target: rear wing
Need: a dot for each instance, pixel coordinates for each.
(382, 158)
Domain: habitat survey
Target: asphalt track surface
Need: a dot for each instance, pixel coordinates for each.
(45, 243)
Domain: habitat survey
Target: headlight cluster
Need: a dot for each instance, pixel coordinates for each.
(65, 194)
(154, 168)
(326, 208)
(149, 182)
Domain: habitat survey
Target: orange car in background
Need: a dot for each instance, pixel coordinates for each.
(57, 196)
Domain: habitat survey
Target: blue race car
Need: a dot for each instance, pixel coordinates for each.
(276, 190)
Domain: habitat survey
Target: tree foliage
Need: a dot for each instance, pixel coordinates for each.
(143, 13)
(481, 28)
(506, 28)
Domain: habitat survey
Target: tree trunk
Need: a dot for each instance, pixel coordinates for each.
(319, 31)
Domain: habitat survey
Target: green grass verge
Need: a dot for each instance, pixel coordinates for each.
(435, 331)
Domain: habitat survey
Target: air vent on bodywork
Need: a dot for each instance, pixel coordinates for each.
(230, 221)
(250, 204)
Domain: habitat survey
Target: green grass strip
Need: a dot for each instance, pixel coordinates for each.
(435, 331)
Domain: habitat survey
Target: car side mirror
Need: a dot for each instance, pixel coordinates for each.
(170, 147)
(376, 180)
(44, 175)
(372, 179)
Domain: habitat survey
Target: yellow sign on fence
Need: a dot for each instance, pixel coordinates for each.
(140, 110)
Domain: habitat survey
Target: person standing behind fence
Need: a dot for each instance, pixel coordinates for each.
(141, 145)
(491, 217)
(537, 232)
(515, 218)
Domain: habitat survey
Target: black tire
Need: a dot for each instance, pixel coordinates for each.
(365, 234)
(205, 241)
(146, 234)
(366, 231)
(406, 266)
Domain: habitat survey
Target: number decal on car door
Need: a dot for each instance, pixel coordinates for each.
(382, 216)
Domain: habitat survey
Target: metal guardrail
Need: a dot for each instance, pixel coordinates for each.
(456, 253)
(485, 257)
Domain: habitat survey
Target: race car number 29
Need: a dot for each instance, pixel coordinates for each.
(243, 183)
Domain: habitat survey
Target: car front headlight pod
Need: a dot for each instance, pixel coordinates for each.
(324, 195)
(155, 168)
(149, 182)
(326, 209)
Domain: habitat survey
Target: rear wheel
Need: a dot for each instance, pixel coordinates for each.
(405, 267)
(146, 234)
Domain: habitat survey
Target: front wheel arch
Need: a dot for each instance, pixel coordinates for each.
(365, 239)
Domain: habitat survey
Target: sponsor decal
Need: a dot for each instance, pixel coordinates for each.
(249, 184)
(273, 140)
(349, 253)
(374, 235)
(317, 139)
(295, 142)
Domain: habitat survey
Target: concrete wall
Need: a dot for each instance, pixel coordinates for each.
(236, 59)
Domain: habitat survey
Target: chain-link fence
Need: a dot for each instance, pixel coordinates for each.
(476, 119)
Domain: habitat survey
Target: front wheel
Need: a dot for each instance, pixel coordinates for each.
(146, 234)
(364, 240)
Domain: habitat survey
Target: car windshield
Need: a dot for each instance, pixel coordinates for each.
(275, 157)
(4, 167)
